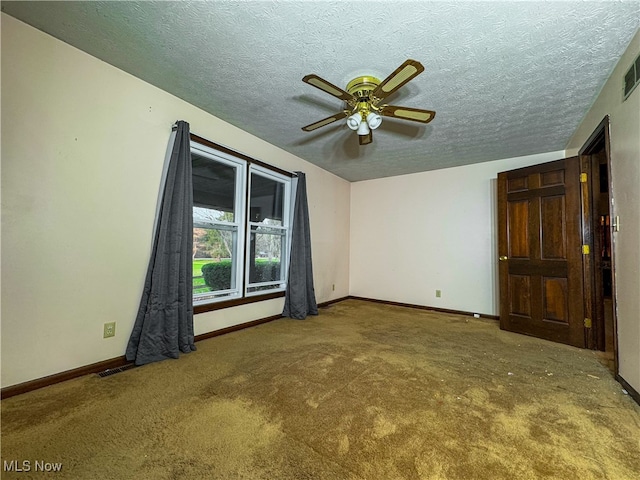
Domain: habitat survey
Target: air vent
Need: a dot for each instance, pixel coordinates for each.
(113, 371)
(632, 78)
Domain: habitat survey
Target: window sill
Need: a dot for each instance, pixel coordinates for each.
(208, 307)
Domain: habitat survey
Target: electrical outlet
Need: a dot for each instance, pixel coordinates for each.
(333, 287)
(438, 293)
(109, 330)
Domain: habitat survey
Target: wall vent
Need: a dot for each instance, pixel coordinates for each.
(113, 371)
(632, 78)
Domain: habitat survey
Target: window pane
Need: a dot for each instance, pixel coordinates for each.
(266, 253)
(214, 243)
(214, 185)
(206, 217)
(267, 200)
(214, 262)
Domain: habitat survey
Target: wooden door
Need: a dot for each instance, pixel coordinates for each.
(540, 249)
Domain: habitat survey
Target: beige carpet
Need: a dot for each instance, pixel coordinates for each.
(363, 391)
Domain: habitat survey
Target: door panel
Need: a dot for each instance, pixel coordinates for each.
(553, 178)
(552, 222)
(518, 215)
(519, 295)
(539, 243)
(555, 299)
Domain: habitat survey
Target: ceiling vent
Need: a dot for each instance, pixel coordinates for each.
(632, 78)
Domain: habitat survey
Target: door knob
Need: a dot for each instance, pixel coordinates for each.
(503, 258)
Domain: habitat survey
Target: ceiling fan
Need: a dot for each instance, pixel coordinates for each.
(363, 96)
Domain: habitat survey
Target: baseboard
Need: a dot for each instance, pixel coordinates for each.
(98, 367)
(118, 362)
(633, 393)
(331, 302)
(425, 307)
(235, 328)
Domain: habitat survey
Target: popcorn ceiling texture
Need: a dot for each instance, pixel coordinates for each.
(506, 79)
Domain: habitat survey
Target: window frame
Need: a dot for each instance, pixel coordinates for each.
(217, 152)
(285, 228)
(238, 226)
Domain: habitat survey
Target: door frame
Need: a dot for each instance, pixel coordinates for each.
(593, 143)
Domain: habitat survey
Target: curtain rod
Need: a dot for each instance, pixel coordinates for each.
(231, 151)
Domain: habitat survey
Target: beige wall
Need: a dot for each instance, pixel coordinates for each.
(430, 231)
(82, 150)
(625, 172)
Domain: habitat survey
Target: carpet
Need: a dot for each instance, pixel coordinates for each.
(362, 391)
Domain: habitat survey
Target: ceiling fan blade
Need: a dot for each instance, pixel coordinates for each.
(401, 75)
(325, 121)
(330, 88)
(366, 139)
(406, 113)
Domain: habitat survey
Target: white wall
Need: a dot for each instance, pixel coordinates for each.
(414, 234)
(82, 150)
(625, 180)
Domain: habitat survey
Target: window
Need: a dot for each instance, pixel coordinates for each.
(268, 231)
(241, 226)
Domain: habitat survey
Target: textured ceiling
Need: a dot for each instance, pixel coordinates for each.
(506, 79)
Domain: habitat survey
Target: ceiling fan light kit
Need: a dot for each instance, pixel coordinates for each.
(363, 96)
(354, 121)
(374, 120)
(363, 129)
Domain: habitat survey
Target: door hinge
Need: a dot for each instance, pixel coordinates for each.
(616, 223)
(587, 323)
(586, 250)
(583, 178)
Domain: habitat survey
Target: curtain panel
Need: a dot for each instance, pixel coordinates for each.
(164, 324)
(300, 296)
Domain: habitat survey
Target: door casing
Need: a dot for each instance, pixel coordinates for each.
(598, 142)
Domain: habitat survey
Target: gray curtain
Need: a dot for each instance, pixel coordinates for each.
(300, 298)
(164, 324)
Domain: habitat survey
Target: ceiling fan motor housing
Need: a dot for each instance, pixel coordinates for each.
(361, 87)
